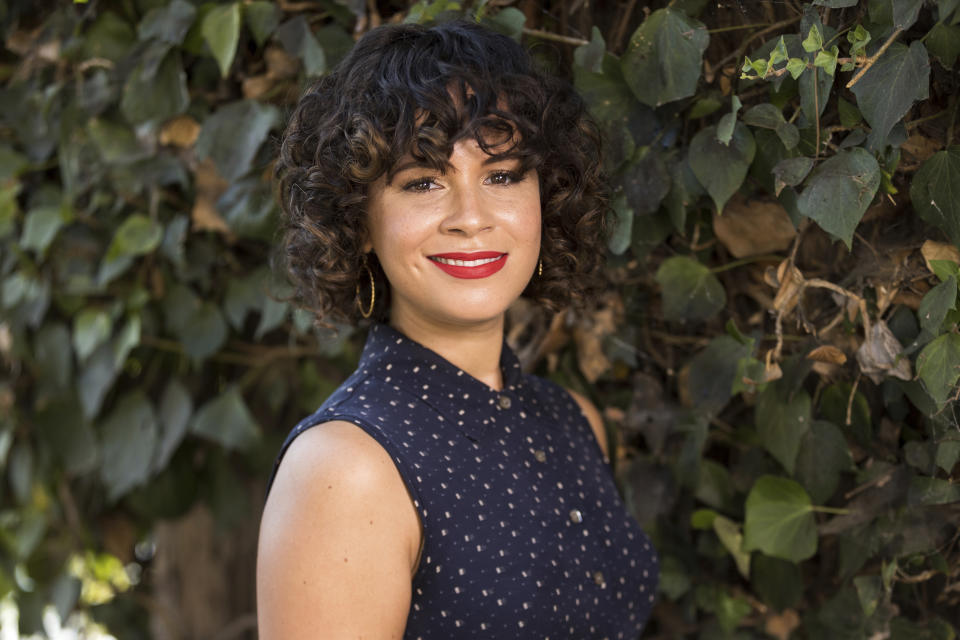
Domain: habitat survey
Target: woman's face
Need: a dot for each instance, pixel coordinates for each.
(457, 247)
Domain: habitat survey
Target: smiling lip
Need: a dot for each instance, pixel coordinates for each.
(480, 264)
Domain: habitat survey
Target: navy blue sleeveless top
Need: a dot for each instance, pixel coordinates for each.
(525, 535)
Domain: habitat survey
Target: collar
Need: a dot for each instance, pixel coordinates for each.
(462, 400)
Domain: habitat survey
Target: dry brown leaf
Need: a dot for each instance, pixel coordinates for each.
(181, 131)
(210, 186)
(781, 625)
(877, 355)
(789, 282)
(256, 86)
(885, 297)
(827, 353)
(21, 41)
(280, 64)
(921, 147)
(932, 250)
(754, 226)
(908, 299)
(589, 337)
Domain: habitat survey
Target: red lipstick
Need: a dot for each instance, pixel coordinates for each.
(480, 264)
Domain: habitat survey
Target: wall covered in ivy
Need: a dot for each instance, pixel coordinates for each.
(777, 359)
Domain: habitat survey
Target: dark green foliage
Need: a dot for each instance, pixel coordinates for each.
(786, 403)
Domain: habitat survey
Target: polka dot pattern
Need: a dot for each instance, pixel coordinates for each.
(525, 535)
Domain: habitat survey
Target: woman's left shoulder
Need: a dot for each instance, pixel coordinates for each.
(594, 418)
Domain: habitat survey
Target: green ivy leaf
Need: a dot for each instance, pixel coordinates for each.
(938, 367)
(827, 60)
(207, 332)
(889, 88)
(71, 438)
(779, 520)
(98, 375)
(905, 12)
(156, 93)
(839, 191)
(823, 456)
(935, 192)
(763, 115)
(732, 538)
(41, 226)
(791, 172)
(713, 372)
(297, 38)
(9, 209)
(262, 19)
(136, 236)
(777, 582)
(782, 425)
(858, 37)
(663, 59)
(117, 143)
(227, 421)
(54, 358)
(945, 8)
(128, 436)
(690, 291)
(622, 227)
(169, 23)
(813, 41)
(727, 122)
(233, 134)
(943, 42)
(221, 32)
(796, 67)
(835, 4)
(779, 53)
(928, 491)
(869, 590)
(110, 37)
(722, 168)
(850, 116)
(509, 21)
(935, 305)
(176, 408)
(91, 328)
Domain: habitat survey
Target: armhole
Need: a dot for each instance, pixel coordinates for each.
(399, 462)
(585, 420)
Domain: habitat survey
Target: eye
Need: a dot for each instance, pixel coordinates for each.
(505, 177)
(420, 185)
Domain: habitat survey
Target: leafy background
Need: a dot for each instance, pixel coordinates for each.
(777, 359)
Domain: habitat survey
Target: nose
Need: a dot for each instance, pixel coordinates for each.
(469, 213)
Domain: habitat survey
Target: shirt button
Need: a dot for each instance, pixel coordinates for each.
(540, 455)
(598, 578)
(504, 402)
(576, 516)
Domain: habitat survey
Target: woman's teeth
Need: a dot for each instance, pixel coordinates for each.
(465, 263)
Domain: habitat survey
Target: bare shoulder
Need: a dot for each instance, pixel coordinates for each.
(595, 420)
(338, 539)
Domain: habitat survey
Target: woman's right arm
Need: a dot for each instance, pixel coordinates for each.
(339, 541)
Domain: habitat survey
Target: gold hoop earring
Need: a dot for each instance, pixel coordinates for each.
(373, 291)
(540, 268)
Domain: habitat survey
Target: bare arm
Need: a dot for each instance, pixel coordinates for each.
(338, 541)
(595, 420)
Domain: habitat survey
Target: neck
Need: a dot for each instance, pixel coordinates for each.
(475, 349)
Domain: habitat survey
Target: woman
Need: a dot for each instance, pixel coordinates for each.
(429, 181)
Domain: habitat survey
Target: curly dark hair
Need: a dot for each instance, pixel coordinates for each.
(412, 90)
